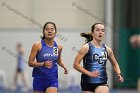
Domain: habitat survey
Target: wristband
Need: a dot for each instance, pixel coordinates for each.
(43, 64)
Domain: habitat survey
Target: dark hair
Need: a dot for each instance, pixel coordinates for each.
(93, 27)
(89, 36)
(43, 37)
(19, 44)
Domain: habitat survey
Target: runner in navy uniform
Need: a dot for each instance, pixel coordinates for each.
(95, 54)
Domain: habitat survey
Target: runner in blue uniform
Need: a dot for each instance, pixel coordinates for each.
(47, 54)
(95, 54)
(20, 68)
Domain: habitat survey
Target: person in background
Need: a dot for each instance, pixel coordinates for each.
(135, 41)
(20, 68)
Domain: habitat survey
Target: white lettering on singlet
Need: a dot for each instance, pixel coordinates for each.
(48, 55)
(55, 53)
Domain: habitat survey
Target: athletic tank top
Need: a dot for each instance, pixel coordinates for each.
(95, 59)
(47, 54)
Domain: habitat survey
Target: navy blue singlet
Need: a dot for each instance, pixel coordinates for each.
(95, 59)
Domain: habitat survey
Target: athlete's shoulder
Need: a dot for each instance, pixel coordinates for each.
(37, 45)
(84, 49)
(60, 47)
(85, 46)
(109, 50)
